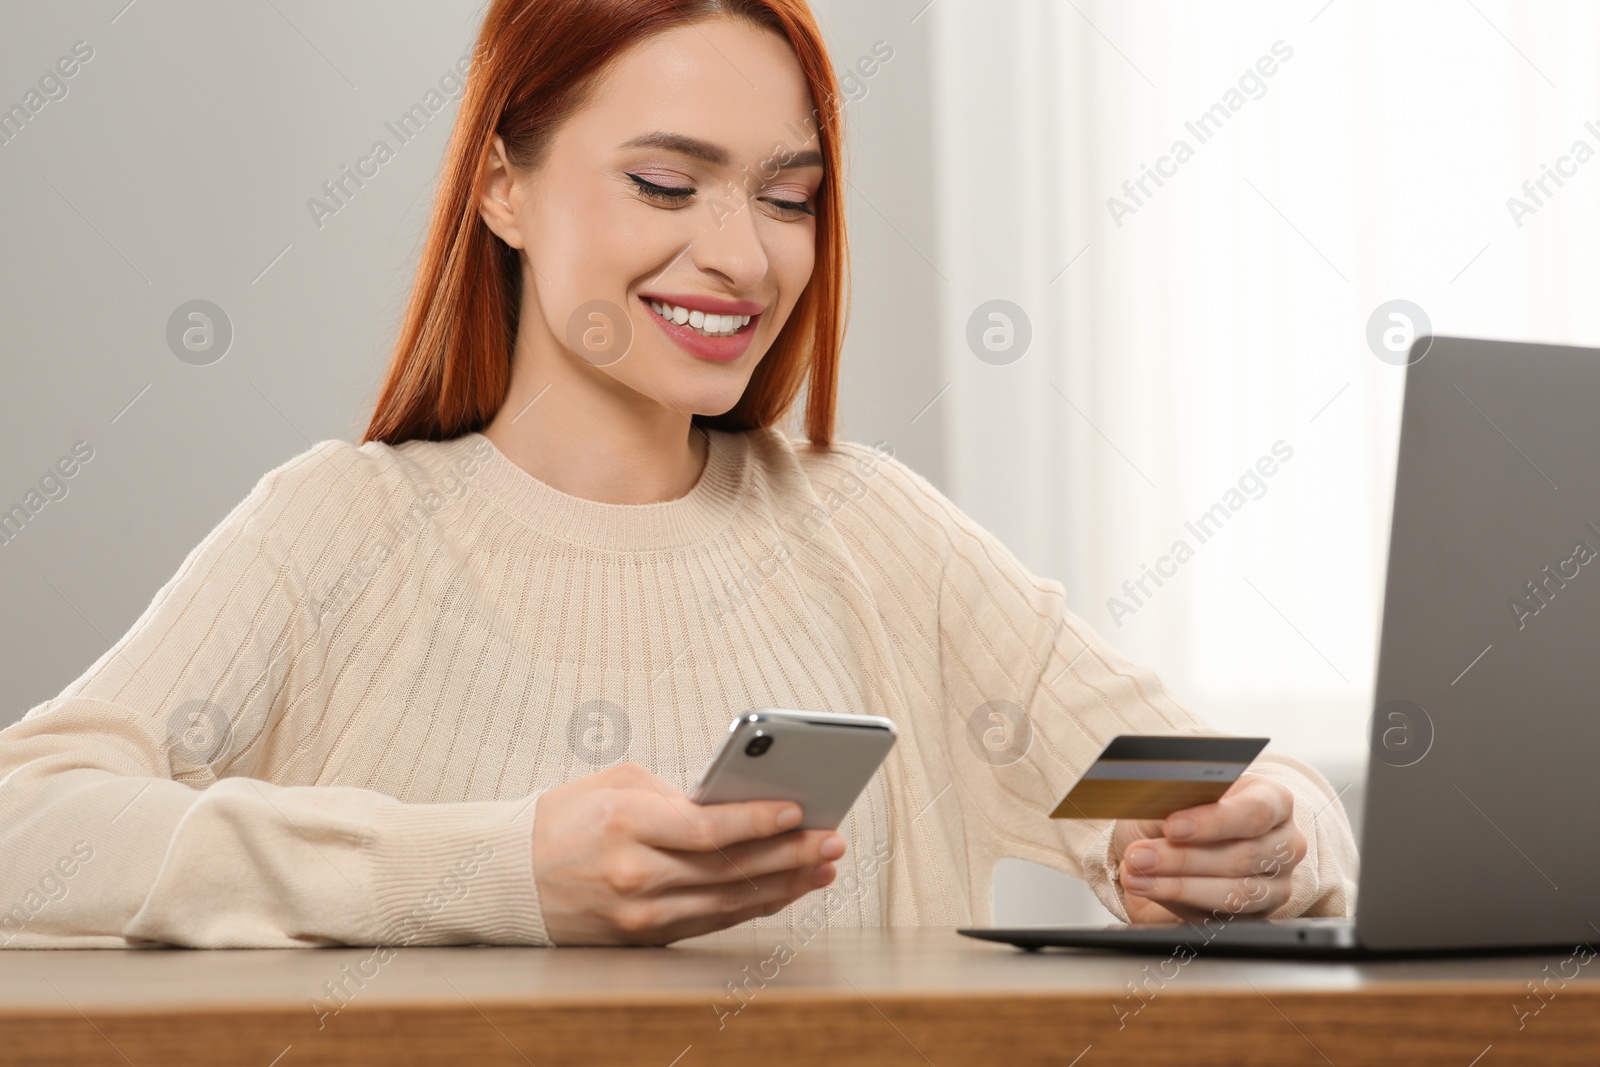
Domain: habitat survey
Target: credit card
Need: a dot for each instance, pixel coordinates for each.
(1146, 776)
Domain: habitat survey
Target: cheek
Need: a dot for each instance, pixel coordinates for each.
(571, 232)
(793, 257)
(585, 248)
(800, 250)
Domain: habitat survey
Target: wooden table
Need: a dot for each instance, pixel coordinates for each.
(913, 996)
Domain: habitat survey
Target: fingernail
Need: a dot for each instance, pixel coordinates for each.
(1143, 858)
(1182, 826)
(833, 847)
(822, 875)
(788, 817)
(1138, 882)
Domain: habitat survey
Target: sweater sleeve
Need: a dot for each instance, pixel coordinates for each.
(130, 810)
(1037, 694)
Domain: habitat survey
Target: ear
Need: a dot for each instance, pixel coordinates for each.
(501, 195)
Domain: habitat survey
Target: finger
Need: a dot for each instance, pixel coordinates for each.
(1270, 854)
(704, 924)
(751, 859)
(688, 912)
(674, 821)
(1193, 897)
(1141, 910)
(1251, 807)
(1127, 833)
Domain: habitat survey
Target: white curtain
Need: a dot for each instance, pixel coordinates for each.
(1356, 153)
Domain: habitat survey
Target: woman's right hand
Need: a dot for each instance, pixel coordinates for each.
(621, 857)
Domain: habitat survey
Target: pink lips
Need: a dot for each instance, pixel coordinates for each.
(715, 305)
(712, 349)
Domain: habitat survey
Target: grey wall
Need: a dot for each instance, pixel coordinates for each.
(893, 363)
(177, 163)
(178, 167)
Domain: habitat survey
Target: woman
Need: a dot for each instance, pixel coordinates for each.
(450, 685)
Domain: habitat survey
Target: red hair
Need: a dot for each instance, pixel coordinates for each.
(535, 64)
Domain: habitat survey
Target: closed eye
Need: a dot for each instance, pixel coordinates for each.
(676, 195)
(661, 192)
(792, 205)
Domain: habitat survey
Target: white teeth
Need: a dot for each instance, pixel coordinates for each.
(701, 322)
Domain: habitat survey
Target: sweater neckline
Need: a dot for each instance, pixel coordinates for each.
(706, 510)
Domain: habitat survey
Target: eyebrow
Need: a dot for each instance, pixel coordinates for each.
(714, 154)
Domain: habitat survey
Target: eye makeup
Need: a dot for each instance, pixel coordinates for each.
(676, 196)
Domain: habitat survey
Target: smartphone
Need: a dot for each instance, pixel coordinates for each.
(820, 760)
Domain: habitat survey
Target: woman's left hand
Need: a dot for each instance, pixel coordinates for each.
(1234, 856)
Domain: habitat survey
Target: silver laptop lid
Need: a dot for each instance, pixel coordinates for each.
(1483, 799)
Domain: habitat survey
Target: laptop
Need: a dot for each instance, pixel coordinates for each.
(1483, 797)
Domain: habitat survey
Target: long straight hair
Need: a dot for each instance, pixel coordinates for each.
(535, 64)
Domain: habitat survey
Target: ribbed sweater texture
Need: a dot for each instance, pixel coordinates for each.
(332, 725)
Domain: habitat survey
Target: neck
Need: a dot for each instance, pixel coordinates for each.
(561, 424)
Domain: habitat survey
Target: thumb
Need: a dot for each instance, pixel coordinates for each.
(1128, 831)
(1150, 827)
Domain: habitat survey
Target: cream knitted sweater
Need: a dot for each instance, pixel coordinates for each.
(332, 724)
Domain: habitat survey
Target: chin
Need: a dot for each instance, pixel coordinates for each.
(716, 400)
(710, 408)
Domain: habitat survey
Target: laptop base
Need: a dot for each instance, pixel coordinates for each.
(1306, 937)
(1301, 938)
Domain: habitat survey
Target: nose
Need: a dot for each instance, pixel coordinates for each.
(729, 241)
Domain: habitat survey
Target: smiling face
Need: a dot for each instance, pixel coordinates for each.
(685, 185)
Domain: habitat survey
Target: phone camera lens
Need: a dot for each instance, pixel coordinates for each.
(758, 745)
